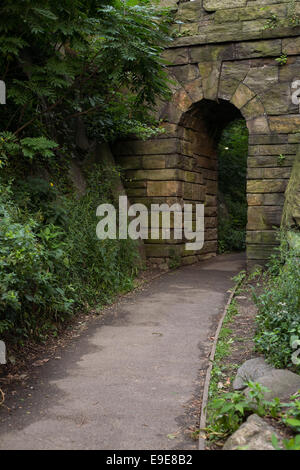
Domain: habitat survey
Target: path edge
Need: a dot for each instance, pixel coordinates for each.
(202, 440)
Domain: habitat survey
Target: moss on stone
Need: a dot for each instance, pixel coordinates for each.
(291, 210)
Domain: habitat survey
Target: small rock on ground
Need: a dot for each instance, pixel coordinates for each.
(251, 370)
(281, 383)
(254, 434)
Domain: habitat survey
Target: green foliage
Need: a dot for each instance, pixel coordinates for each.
(281, 159)
(229, 411)
(28, 147)
(292, 415)
(48, 271)
(279, 308)
(94, 65)
(73, 59)
(99, 268)
(218, 376)
(175, 259)
(233, 152)
(291, 418)
(282, 60)
(292, 18)
(32, 261)
(288, 444)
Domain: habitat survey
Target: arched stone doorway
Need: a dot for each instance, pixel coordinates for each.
(233, 77)
(199, 131)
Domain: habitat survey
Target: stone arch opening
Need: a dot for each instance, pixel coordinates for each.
(222, 53)
(199, 131)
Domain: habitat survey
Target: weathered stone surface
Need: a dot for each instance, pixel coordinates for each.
(259, 252)
(211, 234)
(266, 186)
(160, 250)
(242, 95)
(227, 16)
(250, 371)
(185, 73)
(271, 173)
(165, 188)
(253, 109)
(210, 72)
(270, 161)
(189, 12)
(169, 4)
(294, 138)
(258, 237)
(285, 149)
(278, 100)
(268, 139)
(258, 125)
(291, 46)
(213, 5)
(182, 100)
(167, 174)
(264, 218)
(176, 56)
(253, 12)
(247, 50)
(170, 113)
(210, 53)
(265, 199)
(232, 74)
(260, 79)
(230, 56)
(194, 192)
(285, 124)
(294, 241)
(149, 147)
(291, 210)
(290, 71)
(189, 29)
(281, 384)
(153, 162)
(188, 260)
(194, 90)
(254, 434)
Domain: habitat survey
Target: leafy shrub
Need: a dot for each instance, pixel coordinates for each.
(228, 412)
(31, 260)
(47, 270)
(99, 268)
(279, 308)
(91, 68)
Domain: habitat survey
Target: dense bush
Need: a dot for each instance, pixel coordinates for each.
(232, 153)
(80, 71)
(98, 268)
(32, 262)
(47, 270)
(278, 320)
(75, 59)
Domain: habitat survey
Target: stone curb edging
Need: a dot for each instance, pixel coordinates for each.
(202, 439)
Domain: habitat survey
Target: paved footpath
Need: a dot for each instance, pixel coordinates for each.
(132, 380)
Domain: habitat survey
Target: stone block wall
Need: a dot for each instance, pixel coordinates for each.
(225, 55)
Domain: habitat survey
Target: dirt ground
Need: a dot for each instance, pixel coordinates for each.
(242, 349)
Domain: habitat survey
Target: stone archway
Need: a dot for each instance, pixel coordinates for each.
(199, 131)
(229, 62)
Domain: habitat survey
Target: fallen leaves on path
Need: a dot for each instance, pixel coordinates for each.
(40, 362)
